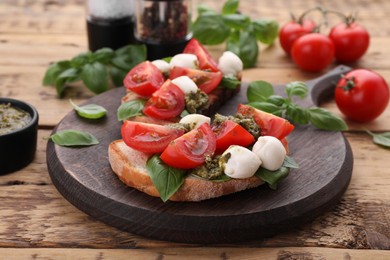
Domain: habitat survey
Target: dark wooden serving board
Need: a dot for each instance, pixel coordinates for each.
(84, 177)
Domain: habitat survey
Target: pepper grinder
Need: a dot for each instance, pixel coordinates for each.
(163, 26)
(110, 23)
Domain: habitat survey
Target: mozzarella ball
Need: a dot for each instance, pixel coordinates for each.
(239, 162)
(185, 60)
(230, 64)
(270, 151)
(162, 65)
(186, 84)
(195, 120)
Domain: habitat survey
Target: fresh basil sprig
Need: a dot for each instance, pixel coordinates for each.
(167, 180)
(240, 33)
(261, 95)
(73, 138)
(130, 109)
(95, 69)
(382, 139)
(90, 111)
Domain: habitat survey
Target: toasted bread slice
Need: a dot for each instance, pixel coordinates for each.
(130, 166)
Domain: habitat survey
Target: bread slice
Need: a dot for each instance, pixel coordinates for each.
(130, 166)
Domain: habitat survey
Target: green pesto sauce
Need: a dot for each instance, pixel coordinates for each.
(196, 101)
(12, 118)
(210, 169)
(246, 122)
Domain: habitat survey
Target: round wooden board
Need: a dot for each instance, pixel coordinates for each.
(84, 177)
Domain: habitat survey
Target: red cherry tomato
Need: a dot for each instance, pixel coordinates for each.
(189, 150)
(206, 62)
(351, 41)
(230, 133)
(292, 31)
(313, 52)
(269, 124)
(144, 79)
(166, 103)
(148, 138)
(362, 95)
(205, 80)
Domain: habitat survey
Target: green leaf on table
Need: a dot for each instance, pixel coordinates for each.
(90, 111)
(51, 74)
(382, 139)
(272, 177)
(236, 21)
(95, 77)
(244, 44)
(289, 162)
(167, 180)
(103, 55)
(259, 91)
(73, 138)
(297, 114)
(230, 82)
(66, 76)
(276, 100)
(323, 119)
(296, 88)
(130, 109)
(266, 31)
(210, 29)
(267, 107)
(230, 7)
(204, 10)
(81, 59)
(128, 56)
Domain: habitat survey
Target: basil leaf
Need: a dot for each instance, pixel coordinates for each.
(130, 109)
(204, 10)
(67, 76)
(323, 119)
(73, 138)
(267, 107)
(289, 162)
(210, 29)
(230, 7)
(236, 21)
(128, 56)
(95, 77)
(117, 76)
(272, 177)
(51, 74)
(80, 60)
(167, 180)
(90, 111)
(266, 31)
(184, 113)
(259, 91)
(276, 100)
(296, 88)
(381, 139)
(103, 55)
(230, 82)
(298, 114)
(245, 47)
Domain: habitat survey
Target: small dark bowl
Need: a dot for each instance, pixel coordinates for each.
(17, 148)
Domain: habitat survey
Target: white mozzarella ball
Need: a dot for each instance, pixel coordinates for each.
(186, 84)
(241, 163)
(230, 64)
(162, 65)
(195, 120)
(270, 151)
(185, 60)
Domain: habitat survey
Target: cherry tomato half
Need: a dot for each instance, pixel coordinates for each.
(166, 103)
(205, 80)
(269, 124)
(230, 133)
(351, 41)
(148, 138)
(292, 31)
(362, 95)
(206, 62)
(189, 150)
(313, 52)
(144, 79)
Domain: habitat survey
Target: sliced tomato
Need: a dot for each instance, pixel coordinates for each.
(189, 150)
(206, 62)
(148, 138)
(144, 79)
(205, 80)
(269, 123)
(167, 102)
(285, 144)
(230, 133)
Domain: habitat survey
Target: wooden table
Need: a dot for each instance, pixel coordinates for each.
(37, 222)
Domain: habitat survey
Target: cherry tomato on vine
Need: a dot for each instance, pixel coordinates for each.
(292, 31)
(362, 95)
(313, 52)
(351, 41)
